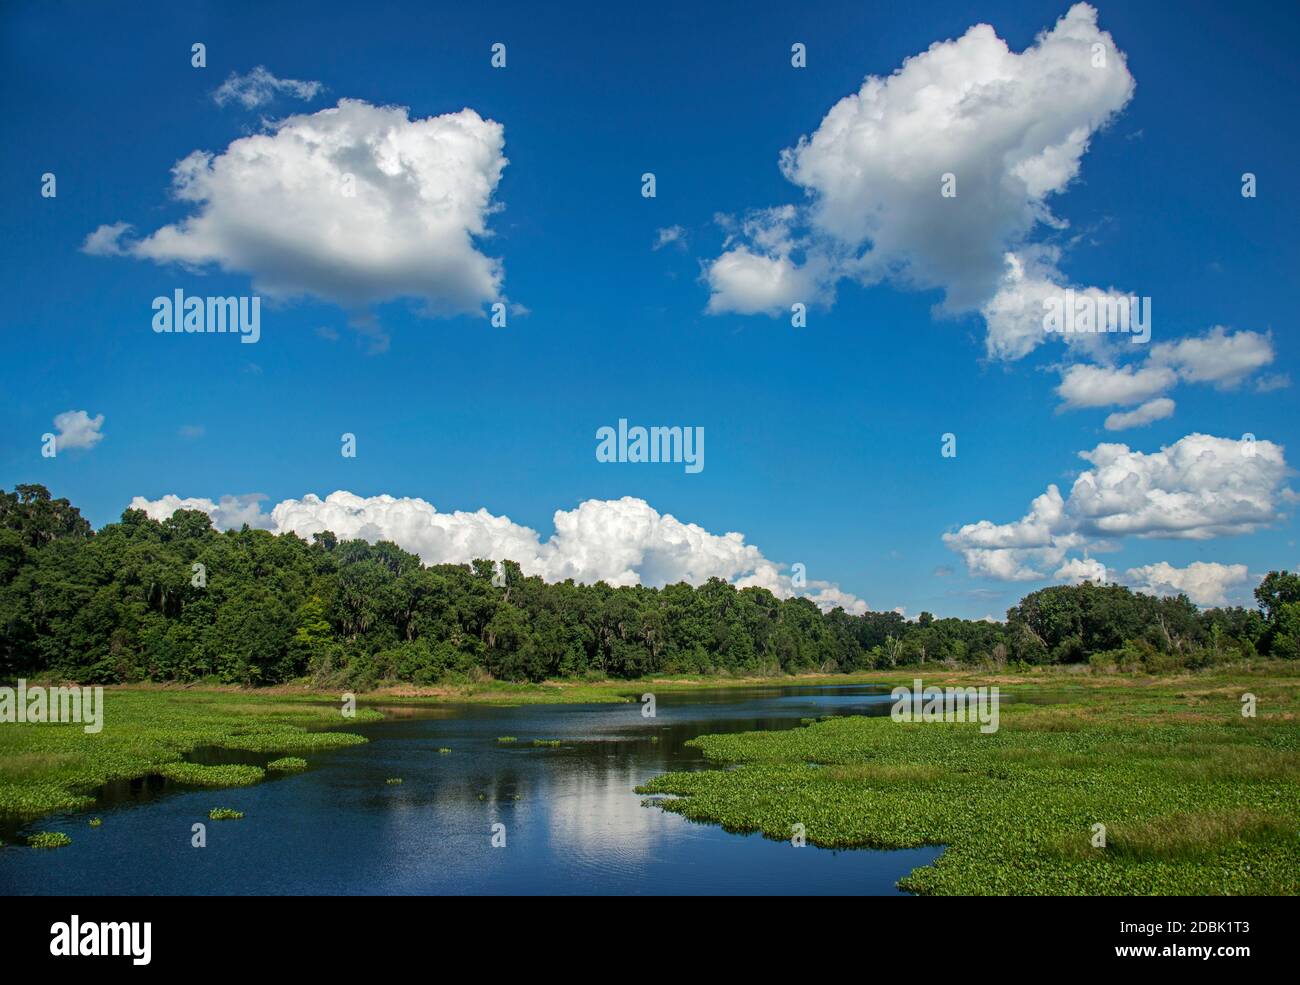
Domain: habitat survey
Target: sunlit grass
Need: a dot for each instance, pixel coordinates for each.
(1185, 836)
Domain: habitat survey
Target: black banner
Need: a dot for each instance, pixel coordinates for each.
(209, 935)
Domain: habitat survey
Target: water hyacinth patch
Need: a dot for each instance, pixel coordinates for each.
(225, 814)
(393, 781)
(506, 738)
(197, 775)
(95, 822)
(287, 764)
(292, 741)
(56, 768)
(546, 742)
(48, 839)
(1194, 798)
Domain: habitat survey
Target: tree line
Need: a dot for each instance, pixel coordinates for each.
(176, 600)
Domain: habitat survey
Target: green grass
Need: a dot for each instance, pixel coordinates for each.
(48, 839)
(287, 764)
(1195, 799)
(55, 767)
(225, 814)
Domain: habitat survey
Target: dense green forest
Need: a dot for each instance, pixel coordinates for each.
(177, 600)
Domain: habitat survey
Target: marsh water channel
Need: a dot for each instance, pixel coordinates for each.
(571, 818)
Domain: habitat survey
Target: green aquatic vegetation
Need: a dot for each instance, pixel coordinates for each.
(294, 740)
(95, 822)
(1016, 809)
(506, 738)
(394, 781)
(546, 742)
(48, 839)
(444, 750)
(198, 775)
(56, 767)
(287, 764)
(225, 814)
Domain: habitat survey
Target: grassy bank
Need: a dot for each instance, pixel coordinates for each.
(1196, 798)
(46, 768)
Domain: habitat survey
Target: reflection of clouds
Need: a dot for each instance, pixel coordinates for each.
(597, 819)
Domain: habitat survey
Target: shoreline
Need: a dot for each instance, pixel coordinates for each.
(627, 690)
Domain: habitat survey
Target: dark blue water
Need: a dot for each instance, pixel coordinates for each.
(572, 821)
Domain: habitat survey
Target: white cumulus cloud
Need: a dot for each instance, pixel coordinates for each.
(1077, 570)
(356, 205)
(227, 513)
(1219, 357)
(1087, 385)
(77, 429)
(1198, 488)
(1204, 582)
(619, 541)
(1010, 128)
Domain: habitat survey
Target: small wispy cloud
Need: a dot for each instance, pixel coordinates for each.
(668, 236)
(259, 87)
(1277, 381)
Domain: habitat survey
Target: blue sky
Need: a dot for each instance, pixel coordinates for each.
(823, 442)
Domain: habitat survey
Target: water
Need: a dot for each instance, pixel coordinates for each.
(572, 821)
